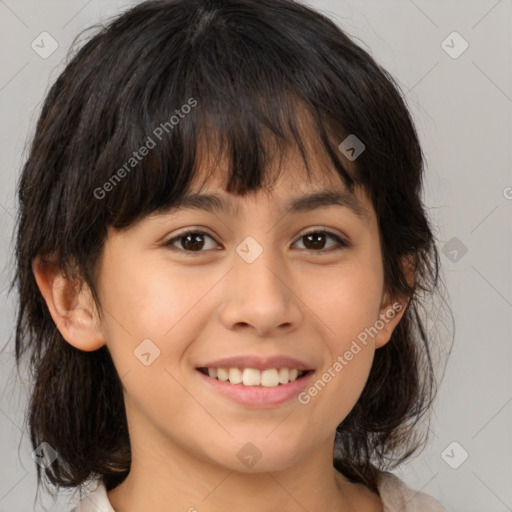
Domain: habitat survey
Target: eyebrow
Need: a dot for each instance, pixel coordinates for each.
(309, 202)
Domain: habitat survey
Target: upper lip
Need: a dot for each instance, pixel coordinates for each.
(258, 362)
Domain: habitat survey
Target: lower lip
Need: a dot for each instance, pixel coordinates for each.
(258, 395)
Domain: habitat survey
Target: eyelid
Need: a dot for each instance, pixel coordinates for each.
(325, 229)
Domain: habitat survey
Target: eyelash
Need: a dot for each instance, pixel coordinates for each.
(341, 241)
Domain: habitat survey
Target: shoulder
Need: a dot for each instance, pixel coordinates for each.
(397, 496)
(94, 499)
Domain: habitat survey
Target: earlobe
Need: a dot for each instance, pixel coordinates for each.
(389, 317)
(392, 312)
(72, 309)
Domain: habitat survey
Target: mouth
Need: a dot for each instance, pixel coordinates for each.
(252, 377)
(250, 387)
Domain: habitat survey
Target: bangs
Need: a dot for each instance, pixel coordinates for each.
(221, 97)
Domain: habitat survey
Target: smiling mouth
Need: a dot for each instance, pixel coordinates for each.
(251, 377)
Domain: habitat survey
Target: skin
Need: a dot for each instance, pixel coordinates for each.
(290, 300)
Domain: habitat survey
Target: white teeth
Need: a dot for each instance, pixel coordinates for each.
(235, 376)
(283, 375)
(222, 374)
(251, 377)
(270, 378)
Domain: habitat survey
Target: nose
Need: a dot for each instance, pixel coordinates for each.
(261, 296)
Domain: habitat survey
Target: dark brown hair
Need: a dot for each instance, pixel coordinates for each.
(247, 65)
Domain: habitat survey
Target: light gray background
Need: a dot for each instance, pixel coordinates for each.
(462, 108)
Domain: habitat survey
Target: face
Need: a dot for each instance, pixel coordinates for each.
(258, 286)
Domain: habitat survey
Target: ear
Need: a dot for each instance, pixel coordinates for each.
(73, 310)
(391, 311)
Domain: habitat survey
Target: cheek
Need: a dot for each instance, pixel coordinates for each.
(348, 307)
(151, 300)
(348, 302)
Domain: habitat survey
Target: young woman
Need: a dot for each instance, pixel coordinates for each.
(221, 254)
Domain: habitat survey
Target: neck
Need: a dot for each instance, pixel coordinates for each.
(169, 475)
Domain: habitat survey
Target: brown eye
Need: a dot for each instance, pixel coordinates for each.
(316, 240)
(191, 241)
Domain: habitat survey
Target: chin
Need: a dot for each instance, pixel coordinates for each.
(260, 455)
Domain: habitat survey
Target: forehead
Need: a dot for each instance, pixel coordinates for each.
(289, 188)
